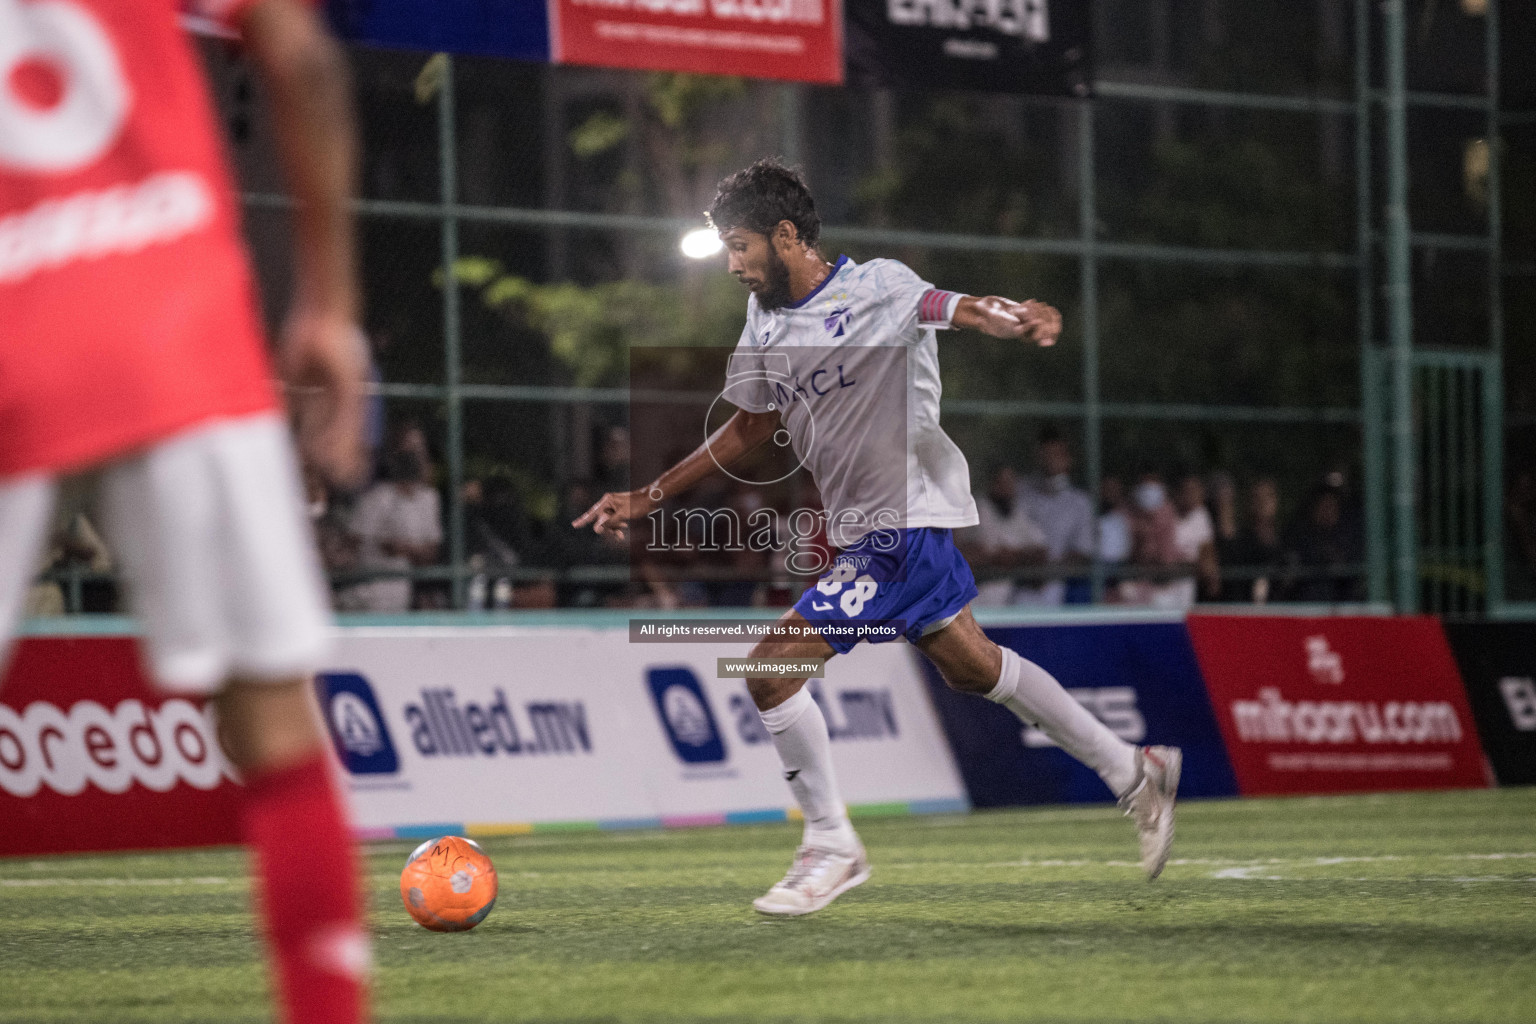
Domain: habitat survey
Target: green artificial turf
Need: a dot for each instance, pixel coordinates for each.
(1383, 908)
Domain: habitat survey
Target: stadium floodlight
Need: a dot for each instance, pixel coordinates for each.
(701, 243)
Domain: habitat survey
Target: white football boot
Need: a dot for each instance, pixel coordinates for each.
(816, 878)
(1150, 802)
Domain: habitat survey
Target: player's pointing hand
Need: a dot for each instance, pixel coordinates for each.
(612, 511)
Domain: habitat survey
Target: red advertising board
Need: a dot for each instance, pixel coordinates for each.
(797, 40)
(92, 758)
(1335, 705)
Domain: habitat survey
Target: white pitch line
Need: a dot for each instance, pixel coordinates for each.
(1247, 874)
(1247, 863)
(1231, 869)
(38, 883)
(44, 883)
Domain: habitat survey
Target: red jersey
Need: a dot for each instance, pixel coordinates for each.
(127, 308)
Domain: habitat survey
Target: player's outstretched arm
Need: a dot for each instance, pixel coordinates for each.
(1005, 318)
(323, 356)
(736, 437)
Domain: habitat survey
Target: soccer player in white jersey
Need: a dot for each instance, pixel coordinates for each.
(844, 357)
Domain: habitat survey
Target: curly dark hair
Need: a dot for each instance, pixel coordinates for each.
(758, 197)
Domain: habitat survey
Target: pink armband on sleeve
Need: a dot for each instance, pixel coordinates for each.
(937, 307)
(219, 17)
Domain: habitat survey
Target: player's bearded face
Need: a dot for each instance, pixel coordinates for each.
(756, 264)
(773, 292)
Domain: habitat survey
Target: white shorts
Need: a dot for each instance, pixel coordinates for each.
(210, 531)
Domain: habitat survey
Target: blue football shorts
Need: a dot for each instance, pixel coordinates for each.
(891, 583)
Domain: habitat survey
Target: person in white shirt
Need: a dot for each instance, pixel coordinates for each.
(1004, 537)
(840, 362)
(1194, 541)
(1063, 511)
(1115, 539)
(397, 524)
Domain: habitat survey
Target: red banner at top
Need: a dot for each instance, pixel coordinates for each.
(796, 40)
(1335, 705)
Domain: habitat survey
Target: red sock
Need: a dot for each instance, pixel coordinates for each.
(307, 892)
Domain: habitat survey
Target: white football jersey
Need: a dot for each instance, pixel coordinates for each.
(854, 373)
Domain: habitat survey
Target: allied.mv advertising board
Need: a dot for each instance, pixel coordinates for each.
(516, 727)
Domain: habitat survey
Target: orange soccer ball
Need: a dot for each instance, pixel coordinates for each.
(448, 884)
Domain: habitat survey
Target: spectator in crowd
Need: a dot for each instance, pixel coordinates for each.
(613, 459)
(500, 534)
(74, 546)
(1520, 514)
(1221, 503)
(653, 586)
(1004, 538)
(494, 539)
(411, 437)
(1064, 514)
(397, 524)
(748, 571)
(1154, 548)
(328, 518)
(1114, 522)
(1323, 551)
(569, 549)
(373, 414)
(1256, 548)
(540, 592)
(1195, 537)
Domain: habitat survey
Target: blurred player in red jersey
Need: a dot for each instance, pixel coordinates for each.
(131, 350)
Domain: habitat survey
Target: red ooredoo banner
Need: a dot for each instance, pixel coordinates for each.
(797, 40)
(93, 758)
(1334, 705)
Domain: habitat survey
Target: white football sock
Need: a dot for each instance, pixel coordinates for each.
(1033, 694)
(800, 735)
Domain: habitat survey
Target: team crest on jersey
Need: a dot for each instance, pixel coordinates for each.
(838, 321)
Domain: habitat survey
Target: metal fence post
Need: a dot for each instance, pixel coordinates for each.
(1493, 403)
(790, 122)
(1373, 450)
(1087, 217)
(1399, 292)
(447, 143)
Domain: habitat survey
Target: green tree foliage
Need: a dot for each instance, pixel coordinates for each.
(590, 328)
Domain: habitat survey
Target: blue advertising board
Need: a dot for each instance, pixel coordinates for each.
(494, 28)
(1140, 679)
